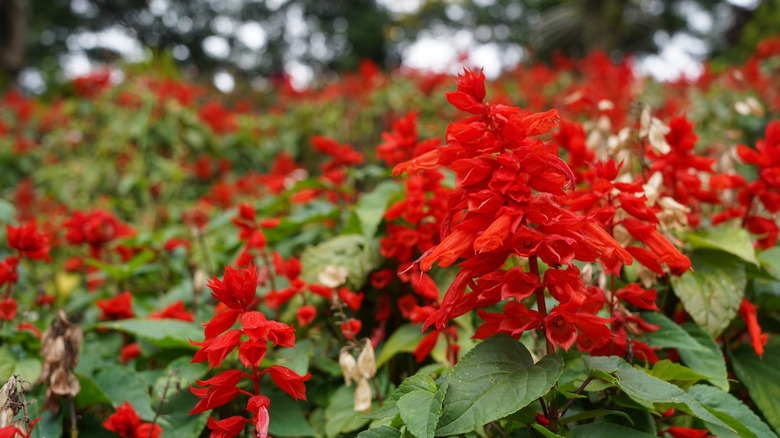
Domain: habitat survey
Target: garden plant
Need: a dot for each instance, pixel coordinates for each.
(569, 250)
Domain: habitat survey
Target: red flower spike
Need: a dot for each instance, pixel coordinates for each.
(174, 311)
(747, 311)
(426, 345)
(237, 289)
(288, 381)
(119, 307)
(29, 241)
(128, 424)
(8, 308)
(130, 351)
(228, 428)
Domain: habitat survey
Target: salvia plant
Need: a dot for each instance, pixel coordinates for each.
(566, 251)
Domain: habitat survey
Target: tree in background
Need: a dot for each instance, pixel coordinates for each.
(262, 38)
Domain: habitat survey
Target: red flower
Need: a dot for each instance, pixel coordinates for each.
(8, 273)
(747, 311)
(130, 351)
(175, 242)
(564, 320)
(237, 289)
(288, 381)
(258, 405)
(29, 241)
(351, 327)
(638, 296)
(174, 311)
(218, 390)
(666, 252)
(119, 307)
(227, 428)
(215, 350)
(351, 299)
(306, 314)
(128, 424)
(685, 432)
(8, 309)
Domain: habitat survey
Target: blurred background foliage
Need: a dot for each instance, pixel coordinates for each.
(255, 40)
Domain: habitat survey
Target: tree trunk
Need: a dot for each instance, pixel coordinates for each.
(13, 36)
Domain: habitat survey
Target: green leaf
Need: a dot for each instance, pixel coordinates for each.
(709, 362)
(729, 239)
(7, 212)
(370, 207)
(380, 432)
(287, 419)
(417, 382)
(675, 374)
(404, 339)
(669, 335)
(90, 393)
(494, 379)
(546, 432)
(644, 387)
(121, 384)
(595, 413)
(420, 409)
(607, 430)
(175, 415)
(28, 369)
(712, 294)
(340, 415)
(161, 332)
(351, 251)
(762, 379)
(741, 418)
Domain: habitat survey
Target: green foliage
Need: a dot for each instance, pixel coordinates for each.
(712, 293)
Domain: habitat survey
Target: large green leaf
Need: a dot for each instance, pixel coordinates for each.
(675, 373)
(122, 384)
(371, 206)
(496, 378)
(404, 339)
(28, 369)
(351, 251)
(642, 386)
(286, 418)
(732, 411)
(420, 409)
(762, 379)
(90, 393)
(417, 382)
(713, 292)
(725, 238)
(161, 332)
(709, 362)
(607, 430)
(340, 415)
(669, 335)
(380, 432)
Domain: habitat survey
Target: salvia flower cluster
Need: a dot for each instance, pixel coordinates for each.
(237, 291)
